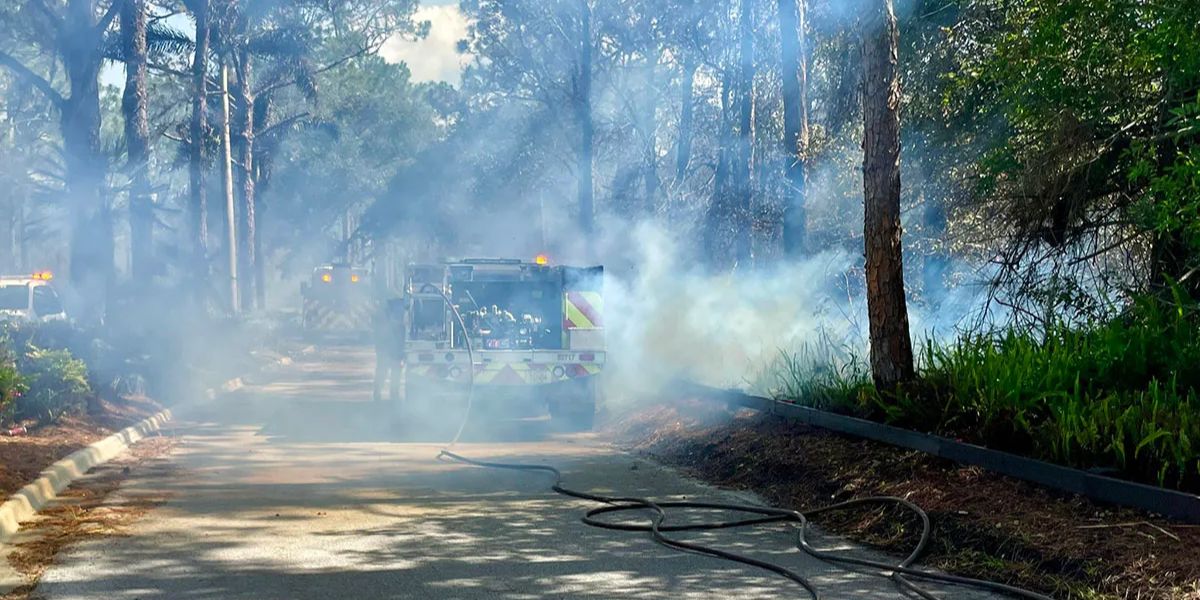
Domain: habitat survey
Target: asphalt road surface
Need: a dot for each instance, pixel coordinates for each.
(298, 488)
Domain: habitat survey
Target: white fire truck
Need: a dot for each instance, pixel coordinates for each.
(30, 298)
(535, 332)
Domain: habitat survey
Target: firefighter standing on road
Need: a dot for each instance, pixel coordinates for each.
(390, 328)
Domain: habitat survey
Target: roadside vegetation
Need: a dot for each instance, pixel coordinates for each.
(39, 384)
(1120, 396)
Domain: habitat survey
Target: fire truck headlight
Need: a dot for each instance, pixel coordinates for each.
(559, 371)
(455, 372)
(326, 277)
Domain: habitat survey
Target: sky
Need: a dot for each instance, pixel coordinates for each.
(434, 58)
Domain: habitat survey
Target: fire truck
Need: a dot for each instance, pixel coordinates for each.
(338, 301)
(30, 298)
(524, 334)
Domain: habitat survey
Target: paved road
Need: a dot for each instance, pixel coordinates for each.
(295, 488)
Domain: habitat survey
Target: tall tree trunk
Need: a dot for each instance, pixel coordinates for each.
(262, 180)
(650, 180)
(230, 205)
(718, 218)
(583, 117)
(8, 235)
(245, 143)
(137, 137)
(198, 134)
(22, 252)
(745, 141)
(91, 252)
(891, 347)
(794, 64)
(683, 146)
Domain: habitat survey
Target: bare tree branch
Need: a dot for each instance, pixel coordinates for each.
(281, 124)
(108, 16)
(20, 70)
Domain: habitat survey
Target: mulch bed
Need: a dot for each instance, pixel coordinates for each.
(23, 458)
(986, 525)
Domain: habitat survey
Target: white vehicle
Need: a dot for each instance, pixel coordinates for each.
(30, 298)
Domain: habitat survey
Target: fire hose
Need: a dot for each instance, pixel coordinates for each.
(901, 573)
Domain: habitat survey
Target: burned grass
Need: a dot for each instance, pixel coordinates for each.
(986, 525)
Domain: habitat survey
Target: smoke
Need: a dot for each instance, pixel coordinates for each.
(668, 317)
(672, 319)
(436, 56)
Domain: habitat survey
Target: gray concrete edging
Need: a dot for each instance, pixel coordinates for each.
(25, 503)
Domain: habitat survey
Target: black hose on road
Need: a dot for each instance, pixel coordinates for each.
(902, 573)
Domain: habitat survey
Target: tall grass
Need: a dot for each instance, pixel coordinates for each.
(1119, 396)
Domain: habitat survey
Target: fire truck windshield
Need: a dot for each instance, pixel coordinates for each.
(14, 297)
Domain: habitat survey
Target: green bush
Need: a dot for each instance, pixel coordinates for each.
(1120, 396)
(12, 385)
(57, 384)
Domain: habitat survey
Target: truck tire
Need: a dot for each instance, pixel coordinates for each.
(576, 410)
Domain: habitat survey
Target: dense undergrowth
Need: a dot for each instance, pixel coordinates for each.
(40, 383)
(1120, 397)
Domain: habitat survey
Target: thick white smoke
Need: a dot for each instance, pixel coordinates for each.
(671, 319)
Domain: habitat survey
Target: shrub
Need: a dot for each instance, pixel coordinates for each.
(12, 385)
(1119, 396)
(57, 384)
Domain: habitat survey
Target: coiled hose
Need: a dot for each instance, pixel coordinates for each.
(902, 573)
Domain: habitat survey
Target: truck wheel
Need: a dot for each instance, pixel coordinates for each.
(576, 410)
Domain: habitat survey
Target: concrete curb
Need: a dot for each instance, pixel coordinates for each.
(25, 503)
(22, 505)
(1100, 488)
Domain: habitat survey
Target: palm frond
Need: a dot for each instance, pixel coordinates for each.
(283, 42)
(111, 47)
(163, 41)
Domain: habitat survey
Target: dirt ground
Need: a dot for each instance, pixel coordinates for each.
(23, 457)
(986, 525)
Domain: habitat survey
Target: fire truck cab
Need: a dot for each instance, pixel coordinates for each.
(30, 298)
(535, 332)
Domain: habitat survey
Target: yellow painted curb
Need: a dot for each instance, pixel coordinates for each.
(22, 505)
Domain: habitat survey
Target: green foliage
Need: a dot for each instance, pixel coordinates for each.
(1075, 121)
(50, 379)
(1119, 396)
(12, 385)
(57, 384)
(818, 376)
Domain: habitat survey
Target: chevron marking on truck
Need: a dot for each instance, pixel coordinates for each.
(583, 310)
